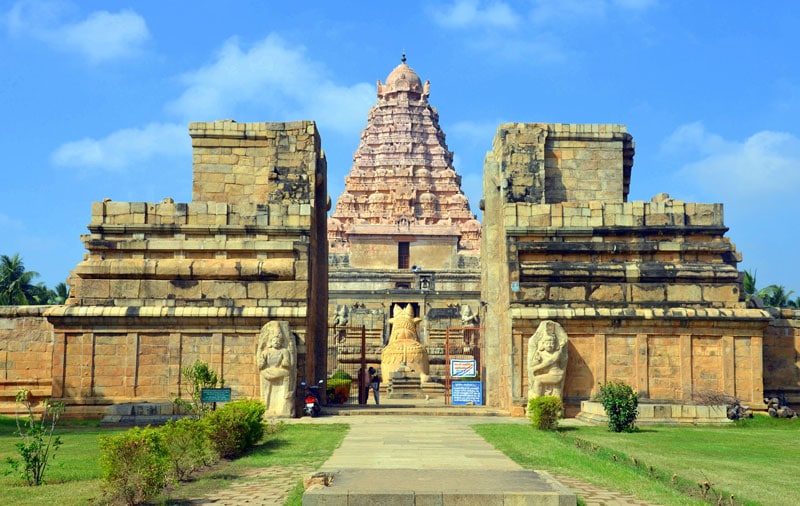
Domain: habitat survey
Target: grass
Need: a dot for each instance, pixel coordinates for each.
(755, 460)
(74, 477)
(307, 444)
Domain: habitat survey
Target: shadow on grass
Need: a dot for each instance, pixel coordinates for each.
(276, 443)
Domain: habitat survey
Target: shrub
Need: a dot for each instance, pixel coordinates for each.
(38, 446)
(198, 376)
(545, 411)
(338, 387)
(341, 375)
(187, 445)
(621, 404)
(235, 427)
(135, 465)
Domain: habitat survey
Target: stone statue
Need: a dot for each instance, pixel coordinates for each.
(547, 360)
(468, 318)
(340, 319)
(404, 348)
(276, 358)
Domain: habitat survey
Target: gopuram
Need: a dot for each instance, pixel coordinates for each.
(565, 285)
(402, 232)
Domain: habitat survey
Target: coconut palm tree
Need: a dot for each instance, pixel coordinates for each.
(16, 287)
(749, 284)
(776, 296)
(61, 293)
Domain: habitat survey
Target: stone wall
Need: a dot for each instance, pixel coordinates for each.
(26, 353)
(667, 356)
(549, 163)
(649, 292)
(165, 284)
(782, 356)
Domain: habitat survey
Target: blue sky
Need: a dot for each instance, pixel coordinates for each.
(96, 97)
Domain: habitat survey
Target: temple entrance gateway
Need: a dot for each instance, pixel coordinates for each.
(403, 234)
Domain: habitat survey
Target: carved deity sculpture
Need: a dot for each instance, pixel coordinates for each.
(547, 360)
(276, 358)
(340, 318)
(468, 318)
(404, 347)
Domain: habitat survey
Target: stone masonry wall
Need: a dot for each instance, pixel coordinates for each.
(669, 356)
(649, 292)
(550, 163)
(782, 356)
(164, 284)
(26, 353)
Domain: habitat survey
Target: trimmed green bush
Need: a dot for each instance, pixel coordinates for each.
(135, 465)
(337, 388)
(188, 447)
(235, 427)
(341, 375)
(621, 404)
(545, 411)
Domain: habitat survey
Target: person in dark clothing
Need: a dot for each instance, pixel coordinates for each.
(374, 384)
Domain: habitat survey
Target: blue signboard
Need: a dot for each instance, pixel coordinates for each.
(467, 393)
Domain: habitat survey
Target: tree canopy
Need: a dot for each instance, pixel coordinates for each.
(772, 295)
(17, 287)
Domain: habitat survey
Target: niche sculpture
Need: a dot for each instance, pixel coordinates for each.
(276, 359)
(547, 360)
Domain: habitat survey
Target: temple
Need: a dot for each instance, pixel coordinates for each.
(563, 286)
(402, 232)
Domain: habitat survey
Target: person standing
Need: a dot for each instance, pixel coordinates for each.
(374, 384)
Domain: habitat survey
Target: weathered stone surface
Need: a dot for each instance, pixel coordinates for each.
(648, 291)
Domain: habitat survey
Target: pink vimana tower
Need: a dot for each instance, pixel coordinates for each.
(403, 185)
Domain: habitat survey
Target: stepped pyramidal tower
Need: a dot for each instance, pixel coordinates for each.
(403, 231)
(402, 180)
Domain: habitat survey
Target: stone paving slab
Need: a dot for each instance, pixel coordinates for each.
(350, 487)
(378, 444)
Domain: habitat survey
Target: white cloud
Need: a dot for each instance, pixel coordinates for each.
(101, 37)
(124, 148)
(469, 13)
(533, 33)
(104, 36)
(267, 80)
(764, 168)
(694, 137)
(276, 80)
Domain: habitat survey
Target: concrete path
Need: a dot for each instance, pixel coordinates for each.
(432, 454)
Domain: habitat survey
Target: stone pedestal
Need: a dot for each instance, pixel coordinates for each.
(405, 384)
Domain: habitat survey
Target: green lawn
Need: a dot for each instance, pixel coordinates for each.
(73, 477)
(295, 443)
(756, 460)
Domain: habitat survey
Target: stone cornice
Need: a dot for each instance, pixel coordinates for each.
(174, 312)
(539, 313)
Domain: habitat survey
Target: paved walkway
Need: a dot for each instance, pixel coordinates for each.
(401, 442)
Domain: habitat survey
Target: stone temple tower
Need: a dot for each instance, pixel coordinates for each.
(403, 231)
